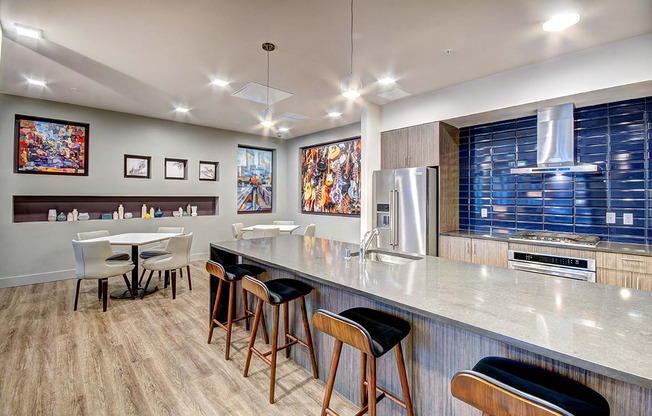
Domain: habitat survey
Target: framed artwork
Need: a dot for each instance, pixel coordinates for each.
(176, 168)
(330, 178)
(207, 171)
(137, 166)
(49, 146)
(254, 180)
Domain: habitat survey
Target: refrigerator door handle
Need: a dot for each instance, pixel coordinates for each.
(393, 214)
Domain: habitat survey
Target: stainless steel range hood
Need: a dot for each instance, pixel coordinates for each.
(556, 143)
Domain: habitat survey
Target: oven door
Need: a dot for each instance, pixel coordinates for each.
(588, 276)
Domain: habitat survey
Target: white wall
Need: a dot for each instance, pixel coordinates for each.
(328, 226)
(37, 252)
(607, 66)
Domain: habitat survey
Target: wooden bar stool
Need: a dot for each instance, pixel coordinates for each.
(374, 333)
(277, 293)
(503, 387)
(230, 275)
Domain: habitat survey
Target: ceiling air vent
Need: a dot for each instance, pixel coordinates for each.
(258, 94)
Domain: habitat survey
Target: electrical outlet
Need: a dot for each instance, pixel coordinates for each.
(484, 213)
(611, 217)
(628, 219)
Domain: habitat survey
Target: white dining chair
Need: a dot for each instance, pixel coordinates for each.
(261, 232)
(159, 249)
(87, 235)
(283, 222)
(178, 248)
(310, 230)
(236, 230)
(92, 263)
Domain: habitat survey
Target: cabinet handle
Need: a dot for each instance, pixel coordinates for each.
(636, 282)
(634, 260)
(474, 249)
(468, 247)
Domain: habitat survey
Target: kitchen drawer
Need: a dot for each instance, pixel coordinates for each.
(625, 262)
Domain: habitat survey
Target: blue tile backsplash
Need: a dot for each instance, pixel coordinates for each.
(616, 136)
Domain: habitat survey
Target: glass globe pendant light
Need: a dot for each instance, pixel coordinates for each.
(267, 115)
(351, 84)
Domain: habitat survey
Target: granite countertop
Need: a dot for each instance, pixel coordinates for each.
(623, 248)
(605, 329)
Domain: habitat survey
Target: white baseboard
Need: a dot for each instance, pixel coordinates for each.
(30, 279)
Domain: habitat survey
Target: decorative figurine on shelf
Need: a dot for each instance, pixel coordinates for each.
(115, 215)
(83, 216)
(75, 214)
(143, 211)
(159, 213)
(121, 212)
(69, 216)
(61, 217)
(185, 214)
(148, 216)
(52, 215)
(194, 210)
(151, 213)
(180, 212)
(128, 215)
(187, 210)
(107, 216)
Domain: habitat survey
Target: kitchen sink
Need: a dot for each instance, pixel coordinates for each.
(388, 257)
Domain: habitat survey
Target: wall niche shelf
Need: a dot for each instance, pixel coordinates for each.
(34, 208)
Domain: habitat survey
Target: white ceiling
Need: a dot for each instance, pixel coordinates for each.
(148, 56)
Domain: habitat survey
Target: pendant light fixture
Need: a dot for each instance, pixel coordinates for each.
(351, 84)
(267, 115)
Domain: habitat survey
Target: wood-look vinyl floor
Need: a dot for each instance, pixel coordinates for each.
(142, 357)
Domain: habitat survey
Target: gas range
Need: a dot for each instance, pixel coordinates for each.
(556, 238)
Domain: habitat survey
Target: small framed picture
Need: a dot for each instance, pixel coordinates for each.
(207, 171)
(176, 168)
(138, 166)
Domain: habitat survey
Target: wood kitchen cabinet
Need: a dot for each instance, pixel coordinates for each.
(410, 147)
(624, 270)
(474, 250)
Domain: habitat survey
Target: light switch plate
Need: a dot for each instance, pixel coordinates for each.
(628, 219)
(611, 217)
(484, 213)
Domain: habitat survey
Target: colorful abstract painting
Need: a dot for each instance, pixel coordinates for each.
(330, 178)
(51, 146)
(254, 180)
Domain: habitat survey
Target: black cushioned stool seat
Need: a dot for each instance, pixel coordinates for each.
(285, 290)
(385, 330)
(153, 253)
(119, 257)
(537, 386)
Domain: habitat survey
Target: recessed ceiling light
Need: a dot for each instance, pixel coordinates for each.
(181, 109)
(334, 114)
(561, 22)
(267, 123)
(387, 81)
(30, 32)
(38, 82)
(220, 83)
(283, 129)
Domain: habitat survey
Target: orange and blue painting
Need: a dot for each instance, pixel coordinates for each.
(51, 146)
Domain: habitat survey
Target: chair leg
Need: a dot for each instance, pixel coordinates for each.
(252, 340)
(180, 273)
(398, 352)
(140, 281)
(264, 325)
(151, 272)
(77, 292)
(246, 308)
(105, 293)
(174, 284)
(306, 326)
(217, 302)
(229, 322)
(189, 279)
(331, 376)
(363, 378)
(99, 289)
(128, 286)
(272, 378)
(372, 386)
(286, 326)
(166, 279)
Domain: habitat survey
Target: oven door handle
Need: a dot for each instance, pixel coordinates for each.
(588, 276)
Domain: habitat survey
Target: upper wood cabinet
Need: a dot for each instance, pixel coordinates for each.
(410, 147)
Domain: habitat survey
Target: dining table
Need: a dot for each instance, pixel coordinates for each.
(284, 228)
(135, 240)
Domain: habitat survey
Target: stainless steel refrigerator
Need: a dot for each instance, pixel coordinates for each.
(405, 205)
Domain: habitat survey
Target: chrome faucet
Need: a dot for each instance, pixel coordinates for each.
(366, 242)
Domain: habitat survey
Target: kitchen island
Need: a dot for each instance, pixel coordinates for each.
(461, 312)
